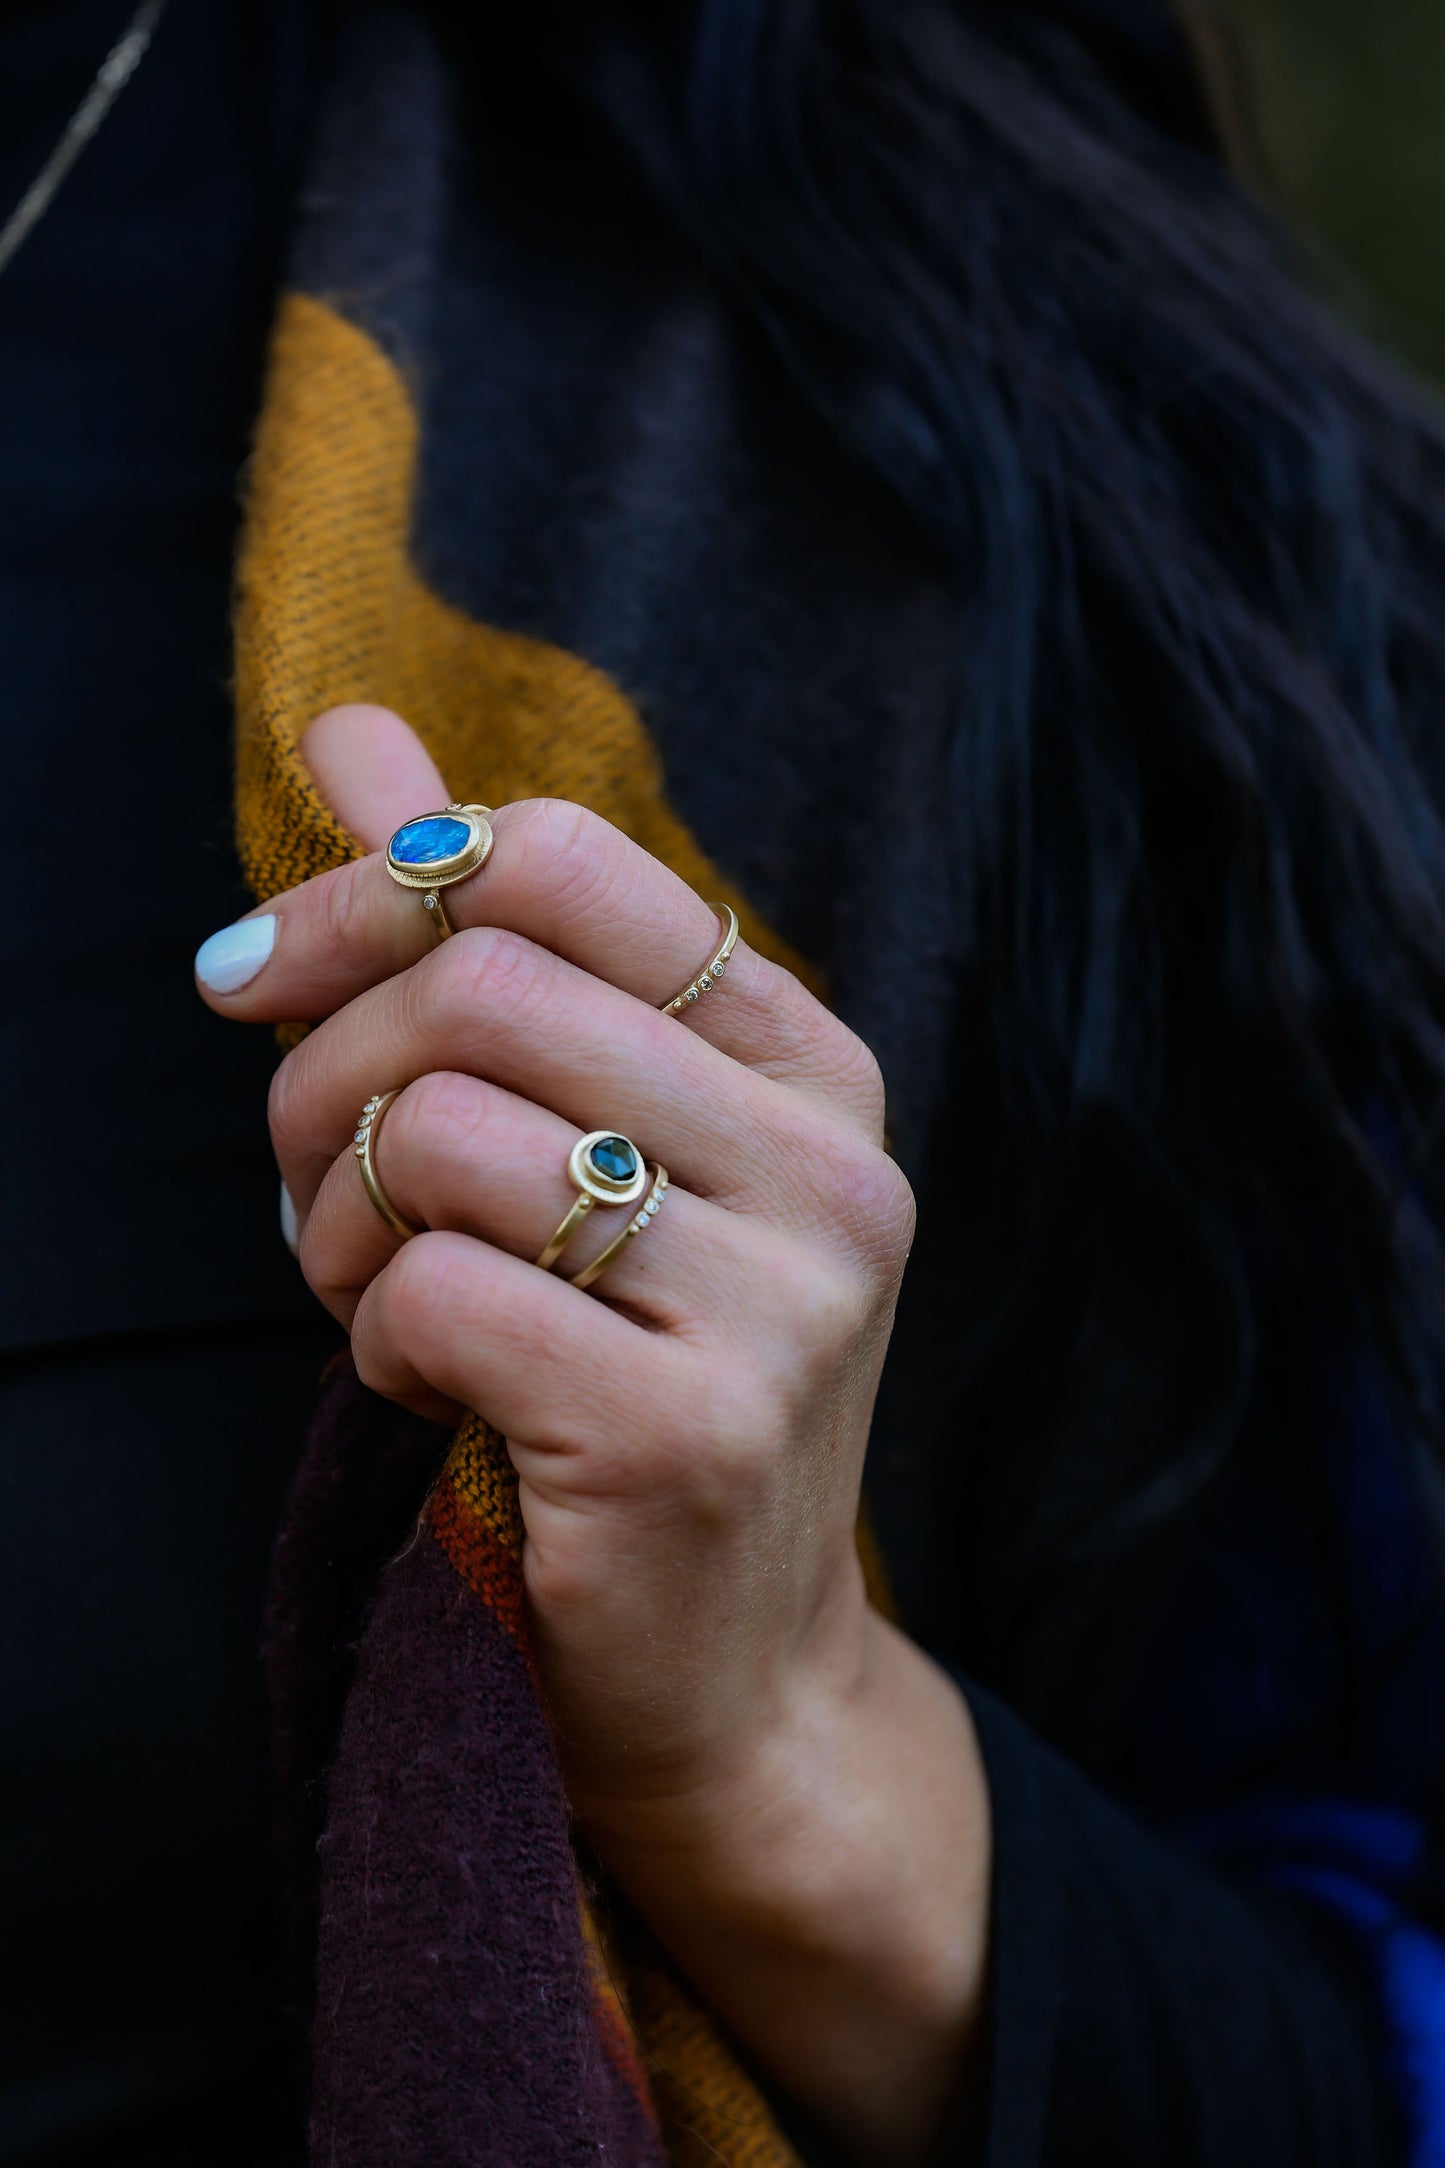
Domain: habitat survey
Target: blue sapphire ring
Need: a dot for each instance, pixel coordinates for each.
(604, 1169)
(435, 849)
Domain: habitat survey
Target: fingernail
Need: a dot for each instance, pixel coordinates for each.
(232, 957)
(290, 1231)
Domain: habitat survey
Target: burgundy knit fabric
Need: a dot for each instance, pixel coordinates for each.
(455, 2022)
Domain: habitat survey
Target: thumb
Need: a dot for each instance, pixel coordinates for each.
(372, 769)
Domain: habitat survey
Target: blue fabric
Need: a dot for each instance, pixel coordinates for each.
(1372, 1867)
(1344, 1819)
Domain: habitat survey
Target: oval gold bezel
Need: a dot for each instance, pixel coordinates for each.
(443, 871)
(598, 1186)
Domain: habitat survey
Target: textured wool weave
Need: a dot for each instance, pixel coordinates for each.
(472, 2002)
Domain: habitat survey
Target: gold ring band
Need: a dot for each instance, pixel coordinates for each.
(366, 1130)
(432, 850)
(637, 1225)
(713, 970)
(548, 1257)
(606, 1169)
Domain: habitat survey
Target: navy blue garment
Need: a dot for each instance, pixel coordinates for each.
(157, 1346)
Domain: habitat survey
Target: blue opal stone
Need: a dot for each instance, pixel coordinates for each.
(426, 842)
(614, 1157)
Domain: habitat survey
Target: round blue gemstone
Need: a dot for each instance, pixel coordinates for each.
(615, 1158)
(427, 841)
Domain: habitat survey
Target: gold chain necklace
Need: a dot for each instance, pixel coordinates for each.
(115, 71)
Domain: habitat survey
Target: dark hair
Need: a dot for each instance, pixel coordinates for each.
(1199, 541)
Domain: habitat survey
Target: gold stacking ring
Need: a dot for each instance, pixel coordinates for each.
(637, 1225)
(605, 1169)
(366, 1129)
(436, 849)
(708, 977)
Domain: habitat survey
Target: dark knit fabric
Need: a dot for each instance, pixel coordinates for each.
(158, 1347)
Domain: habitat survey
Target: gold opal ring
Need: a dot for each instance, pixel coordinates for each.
(435, 849)
(713, 970)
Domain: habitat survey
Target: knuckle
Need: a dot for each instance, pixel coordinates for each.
(436, 1113)
(821, 1050)
(849, 1067)
(418, 1291)
(316, 1257)
(873, 1206)
(482, 969)
(565, 850)
(365, 1357)
(827, 1311)
(286, 1106)
(734, 1453)
(857, 1069)
(340, 929)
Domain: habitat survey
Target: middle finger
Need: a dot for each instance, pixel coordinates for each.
(459, 1155)
(496, 1006)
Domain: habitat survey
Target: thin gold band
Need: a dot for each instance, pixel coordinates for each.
(577, 1211)
(366, 1130)
(436, 911)
(713, 970)
(637, 1225)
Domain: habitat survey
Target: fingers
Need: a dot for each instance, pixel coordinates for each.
(459, 1155)
(372, 770)
(490, 1005)
(553, 1369)
(558, 875)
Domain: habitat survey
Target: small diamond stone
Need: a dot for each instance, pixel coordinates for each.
(360, 1137)
(652, 1206)
(430, 840)
(719, 968)
(614, 1158)
(691, 994)
(704, 984)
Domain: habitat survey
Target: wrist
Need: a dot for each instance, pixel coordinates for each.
(839, 1872)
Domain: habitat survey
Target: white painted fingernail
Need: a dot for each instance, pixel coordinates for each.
(232, 957)
(290, 1231)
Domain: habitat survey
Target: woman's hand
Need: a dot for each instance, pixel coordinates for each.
(785, 1785)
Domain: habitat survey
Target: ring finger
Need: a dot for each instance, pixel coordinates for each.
(458, 1154)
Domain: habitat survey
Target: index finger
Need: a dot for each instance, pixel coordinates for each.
(568, 880)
